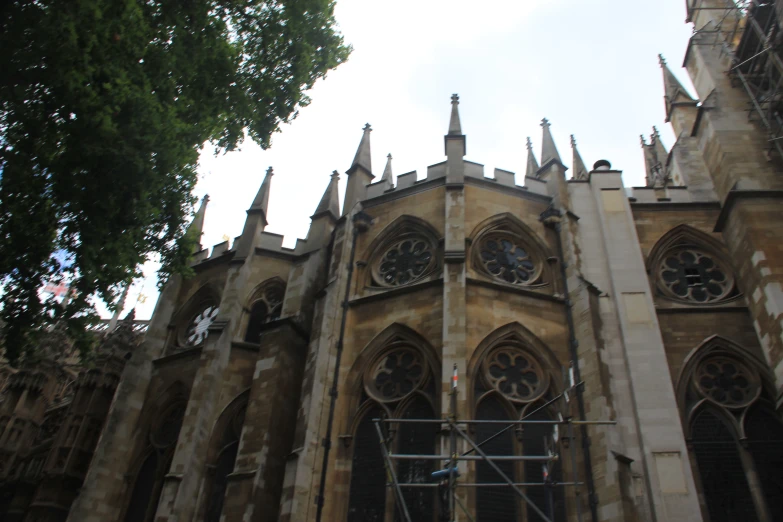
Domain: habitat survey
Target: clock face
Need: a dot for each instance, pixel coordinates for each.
(197, 330)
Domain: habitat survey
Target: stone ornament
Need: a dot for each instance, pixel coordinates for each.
(395, 374)
(197, 328)
(695, 276)
(503, 258)
(727, 382)
(515, 374)
(406, 261)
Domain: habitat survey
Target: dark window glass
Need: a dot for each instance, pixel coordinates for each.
(494, 504)
(548, 499)
(223, 468)
(367, 501)
(765, 443)
(143, 490)
(417, 439)
(723, 482)
(257, 319)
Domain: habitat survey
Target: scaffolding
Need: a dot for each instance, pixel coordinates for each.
(749, 32)
(446, 478)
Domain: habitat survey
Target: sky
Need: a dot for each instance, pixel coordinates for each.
(589, 66)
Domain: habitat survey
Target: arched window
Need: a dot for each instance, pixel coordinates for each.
(397, 380)
(688, 266)
(734, 434)
(507, 251)
(224, 463)
(511, 384)
(148, 483)
(404, 252)
(267, 306)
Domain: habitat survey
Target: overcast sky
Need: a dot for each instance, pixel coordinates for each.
(589, 66)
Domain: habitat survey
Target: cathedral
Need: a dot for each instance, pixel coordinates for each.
(454, 346)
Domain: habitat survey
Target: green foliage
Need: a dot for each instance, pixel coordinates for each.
(104, 108)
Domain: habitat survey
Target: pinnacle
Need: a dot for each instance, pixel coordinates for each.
(580, 171)
(363, 157)
(329, 201)
(261, 202)
(387, 171)
(548, 148)
(196, 226)
(532, 164)
(455, 127)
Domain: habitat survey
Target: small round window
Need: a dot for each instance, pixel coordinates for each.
(404, 262)
(197, 329)
(505, 259)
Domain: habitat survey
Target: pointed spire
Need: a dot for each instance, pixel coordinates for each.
(196, 226)
(548, 149)
(363, 158)
(330, 202)
(261, 203)
(580, 171)
(673, 91)
(532, 164)
(387, 172)
(655, 159)
(455, 128)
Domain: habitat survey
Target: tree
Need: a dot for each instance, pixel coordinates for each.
(104, 108)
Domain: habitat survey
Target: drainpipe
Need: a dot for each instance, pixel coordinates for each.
(361, 222)
(552, 218)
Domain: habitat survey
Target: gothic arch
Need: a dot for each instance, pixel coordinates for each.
(409, 236)
(494, 239)
(161, 432)
(691, 400)
(393, 376)
(498, 393)
(516, 334)
(221, 456)
(726, 397)
(264, 304)
(702, 250)
(393, 335)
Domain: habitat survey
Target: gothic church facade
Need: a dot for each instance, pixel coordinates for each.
(658, 308)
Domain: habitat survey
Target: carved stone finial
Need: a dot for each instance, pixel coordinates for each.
(655, 133)
(661, 60)
(455, 98)
(389, 156)
(545, 123)
(270, 171)
(642, 140)
(367, 128)
(573, 141)
(335, 174)
(529, 144)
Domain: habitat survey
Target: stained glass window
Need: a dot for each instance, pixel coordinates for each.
(694, 276)
(504, 259)
(405, 262)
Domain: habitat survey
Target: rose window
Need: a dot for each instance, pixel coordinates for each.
(507, 261)
(514, 374)
(396, 375)
(197, 329)
(405, 262)
(695, 276)
(726, 382)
